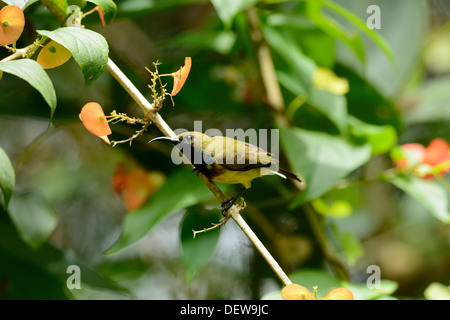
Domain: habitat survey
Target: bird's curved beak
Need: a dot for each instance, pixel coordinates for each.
(172, 140)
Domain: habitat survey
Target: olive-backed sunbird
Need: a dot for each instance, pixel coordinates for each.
(228, 160)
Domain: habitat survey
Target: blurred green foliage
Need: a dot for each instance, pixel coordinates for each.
(59, 207)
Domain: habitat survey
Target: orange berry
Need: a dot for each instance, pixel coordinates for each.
(339, 294)
(296, 292)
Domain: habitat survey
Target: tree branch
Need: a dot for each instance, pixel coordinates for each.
(19, 53)
(268, 72)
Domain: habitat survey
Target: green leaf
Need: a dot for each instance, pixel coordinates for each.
(363, 292)
(272, 295)
(228, 9)
(379, 40)
(339, 209)
(333, 106)
(26, 281)
(319, 46)
(437, 291)
(351, 246)
(211, 40)
(7, 178)
(108, 7)
(300, 66)
(79, 3)
(138, 8)
(88, 48)
(335, 30)
(31, 71)
(429, 193)
(41, 273)
(58, 8)
(198, 251)
(289, 19)
(22, 4)
(181, 190)
(297, 78)
(311, 277)
(33, 216)
(381, 138)
(432, 101)
(321, 159)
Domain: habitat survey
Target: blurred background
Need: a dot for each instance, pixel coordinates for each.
(360, 220)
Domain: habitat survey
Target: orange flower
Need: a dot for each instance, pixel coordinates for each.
(437, 153)
(339, 294)
(295, 291)
(95, 121)
(179, 77)
(12, 22)
(135, 186)
(411, 154)
(425, 162)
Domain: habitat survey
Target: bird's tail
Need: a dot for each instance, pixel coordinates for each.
(289, 174)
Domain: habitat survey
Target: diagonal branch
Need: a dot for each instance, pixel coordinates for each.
(151, 113)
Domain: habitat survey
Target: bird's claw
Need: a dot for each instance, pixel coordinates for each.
(227, 204)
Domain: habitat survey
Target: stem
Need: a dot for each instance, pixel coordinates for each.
(324, 247)
(37, 44)
(276, 102)
(146, 107)
(19, 53)
(26, 52)
(268, 71)
(57, 8)
(151, 113)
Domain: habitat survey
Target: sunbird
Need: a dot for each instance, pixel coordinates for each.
(224, 159)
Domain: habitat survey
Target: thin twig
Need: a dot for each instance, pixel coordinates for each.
(222, 221)
(19, 53)
(268, 71)
(130, 139)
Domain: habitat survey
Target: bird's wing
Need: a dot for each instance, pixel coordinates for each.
(246, 156)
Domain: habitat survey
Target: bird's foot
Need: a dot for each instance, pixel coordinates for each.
(227, 204)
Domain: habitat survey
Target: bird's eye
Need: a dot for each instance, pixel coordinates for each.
(189, 138)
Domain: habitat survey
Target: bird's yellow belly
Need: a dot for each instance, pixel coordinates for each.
(242, 177)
